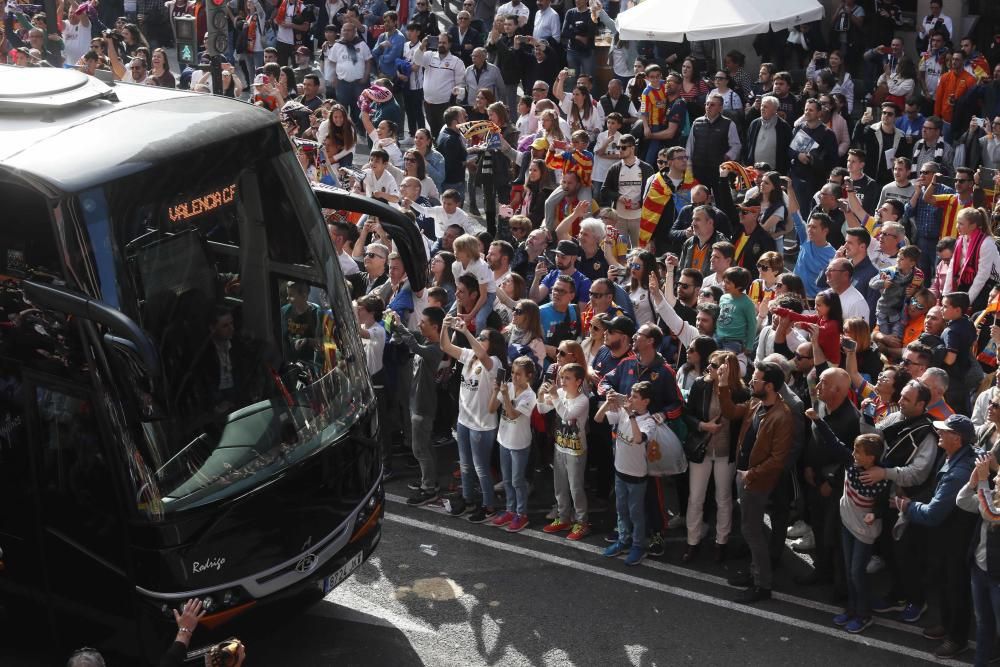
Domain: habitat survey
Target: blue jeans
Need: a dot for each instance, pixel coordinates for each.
(583, 64)
(653, 145)
(630, 503)
(485, 311)
(474, 450)
(928, 254)
(986, 602)
(856, 557)
(514, 465)
(348, 93)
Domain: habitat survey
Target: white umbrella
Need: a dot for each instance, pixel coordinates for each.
(673, 20)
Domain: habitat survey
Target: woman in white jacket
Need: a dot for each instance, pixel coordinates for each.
(976, 260)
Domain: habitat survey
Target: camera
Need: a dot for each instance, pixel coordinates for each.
(113, 35)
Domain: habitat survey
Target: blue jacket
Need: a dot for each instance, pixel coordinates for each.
(388, 49)
(666, 394)
(950, 478)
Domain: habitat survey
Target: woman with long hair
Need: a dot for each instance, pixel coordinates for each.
(441, 274)
(773, 212)
(133, 39)
(717, 458)
(731, 100)
(481, 362)
(160, 74)
(340, 127)
(899, 84)
(842, 82)
(869, 361)
(536, 191)
(789, 283)
(698, 354)
(693, 88)
(596, 337)
(288, 86)
(975, 256)
(881, 398)
(549, 126)
(641, 265)
(525, 330)
(424, 142)
(582, 114)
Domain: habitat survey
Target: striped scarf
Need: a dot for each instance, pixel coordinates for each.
(921, 146)
(747, 175)
(661, 191)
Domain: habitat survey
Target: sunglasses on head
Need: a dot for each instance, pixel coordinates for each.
(994, 404)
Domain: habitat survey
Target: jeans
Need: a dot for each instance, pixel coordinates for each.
(653, 145)
(856, 557)
(699, 474)
(420, 442)
(567, 473)
(986, 601)
(514, 465)
(474, 451)
(348, 93)
(928, 253)
(752, 506)
(485, 311)
(629, 501)
(582, 63)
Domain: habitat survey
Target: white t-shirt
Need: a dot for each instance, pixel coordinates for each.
(854, 305)
(478, 385)
(571, 429)
(630, 185)
(516, 433)
(510, 9)
(347, 264)
(389, 146)
(77, 41)
(347, 69)
(630, 458)
(385, 183)
(285, 33)
(374, 347)
(478, 268)
(602, 164)
(642, 306)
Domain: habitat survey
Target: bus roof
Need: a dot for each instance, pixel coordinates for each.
(68, 131)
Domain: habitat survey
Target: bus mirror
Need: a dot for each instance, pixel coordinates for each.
(405, 235)
(123, 328)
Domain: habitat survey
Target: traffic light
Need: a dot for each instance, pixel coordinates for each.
(187, 39)
(217, 39)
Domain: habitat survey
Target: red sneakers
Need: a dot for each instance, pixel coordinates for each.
(557, 526)
(502, 519)
(518, 523)
(580, 531)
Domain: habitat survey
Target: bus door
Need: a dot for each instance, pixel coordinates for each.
(80, 516)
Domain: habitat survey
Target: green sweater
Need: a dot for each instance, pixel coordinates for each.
(737, 320)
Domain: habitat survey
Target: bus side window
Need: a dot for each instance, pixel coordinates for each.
(75, 481)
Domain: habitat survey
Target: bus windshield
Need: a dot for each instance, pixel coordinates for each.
(221, 258)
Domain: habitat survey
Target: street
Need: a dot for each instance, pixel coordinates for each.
(443, 591)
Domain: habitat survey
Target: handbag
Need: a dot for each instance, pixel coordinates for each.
(696, 446)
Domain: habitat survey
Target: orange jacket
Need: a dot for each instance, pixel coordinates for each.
(949, 85)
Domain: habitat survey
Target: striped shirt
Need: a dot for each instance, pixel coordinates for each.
(653, 105)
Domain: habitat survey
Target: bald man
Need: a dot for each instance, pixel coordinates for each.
(825, 474)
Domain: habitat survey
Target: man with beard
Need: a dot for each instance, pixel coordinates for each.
(681, 231)
(667, 192)
(705, 319)
(566, 256)
(443, 73)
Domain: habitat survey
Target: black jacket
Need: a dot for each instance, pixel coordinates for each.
(451, 146)
(783, 132)
(698, 402)
(869, 138)
(473, 38)
(609, 191)
(678, 232)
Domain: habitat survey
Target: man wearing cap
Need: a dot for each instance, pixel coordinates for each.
(566, 256)
(304, 64)
(623, 185)
(949, 532)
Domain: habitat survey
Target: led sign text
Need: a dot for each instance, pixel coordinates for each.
(192, 208)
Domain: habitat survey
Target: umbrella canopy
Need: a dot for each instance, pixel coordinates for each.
(672, 20)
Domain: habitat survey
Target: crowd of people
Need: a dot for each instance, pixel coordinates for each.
(782, 285)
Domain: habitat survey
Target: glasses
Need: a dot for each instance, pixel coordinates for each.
(662, 162)
(599, 295)
(685, 285)
(561, 353)
(763, 267)
(800, 357)
(679, 157)
(409, 159)
(372, 255)
(713, 364)
(963, 180)
(635, 266)
(995, 405)
(518, 311)
(916, 305)
(909, 362)
(624, 146)
(930, 127)
(927, 173)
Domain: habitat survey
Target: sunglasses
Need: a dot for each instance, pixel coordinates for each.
(714, 365)
(373, 255)
(763, 267)
(561, 353)
(635, 266)
(409, 159)
(600, 295)
(916, 305)
(995, 405)
(662, 162)
(685, 285)
(800, 357)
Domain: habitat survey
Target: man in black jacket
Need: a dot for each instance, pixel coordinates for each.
(464, 38)
(617, 101)
(768, 137)
(509, 57)
(623, 186)
(451, 145)
(682, 227)
(713, 140)
(813, 153)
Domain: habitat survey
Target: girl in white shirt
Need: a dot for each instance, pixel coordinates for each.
(517, 400)
(477, 423)
(470, 260)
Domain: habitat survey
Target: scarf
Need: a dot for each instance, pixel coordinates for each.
(519, 336)
(251, 32)
(986, 353)
(661, 191)
(965, 263)
(921, 146)
(903, 438)
(747, 175)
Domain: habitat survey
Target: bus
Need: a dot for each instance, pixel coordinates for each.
(185, 409)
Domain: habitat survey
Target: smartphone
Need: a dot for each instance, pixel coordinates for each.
(848, 343)
(948, 181)
(981, 122)
(503, 376)
(571, 73)
(432, 43)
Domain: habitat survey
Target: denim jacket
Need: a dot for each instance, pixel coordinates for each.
(953, 474)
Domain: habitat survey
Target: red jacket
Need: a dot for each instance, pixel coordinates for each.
(829, 332)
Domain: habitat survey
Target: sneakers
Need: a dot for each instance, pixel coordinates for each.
(615, 549)
(805, 543)
(422, 497)
(557, 526)
(842, 619)
(857, 624)
(883, 606)
(656, 546)
(482, 514)
(414, 485)
(455, 505)
(936, 632)
(635, 555)
(502, 519)
(675, 522)
(950, 649)
(797, 530)
(753, 594)
(912, 613)
(611, 537)
(580, 531)
(518, 523)
(875, 564)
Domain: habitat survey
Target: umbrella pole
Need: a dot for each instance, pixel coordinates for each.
(718, 53)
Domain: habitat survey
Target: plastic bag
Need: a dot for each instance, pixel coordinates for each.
(664, 452)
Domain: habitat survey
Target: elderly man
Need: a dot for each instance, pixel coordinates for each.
(927, 217)
(681, 230)
(695, 252)
(855, 249)
(949, 531)
(824, 472)
(481, 75)
(762, 449)
(932, 147)
(937, 380)
(839, 278)
(617, 101)
(542, 66)
(464, 38)
(769, 137)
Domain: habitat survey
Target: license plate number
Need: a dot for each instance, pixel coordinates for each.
(334, 580)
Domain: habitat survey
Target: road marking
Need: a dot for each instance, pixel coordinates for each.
(691, 574)
(836, 633)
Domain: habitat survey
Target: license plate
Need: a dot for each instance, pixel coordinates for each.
(334, 580)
